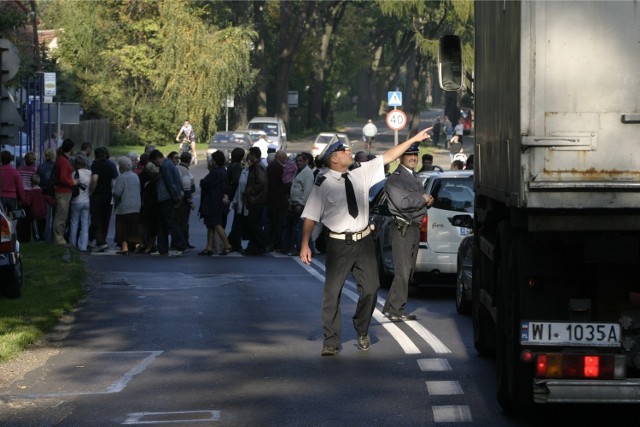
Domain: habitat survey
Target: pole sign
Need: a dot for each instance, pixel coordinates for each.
(396, 119)
(49, 80)
(394, 98)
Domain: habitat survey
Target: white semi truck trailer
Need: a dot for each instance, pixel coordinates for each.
(556, 276)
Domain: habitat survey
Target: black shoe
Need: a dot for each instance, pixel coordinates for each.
(364, 342)
(402, 318)
(330, 351)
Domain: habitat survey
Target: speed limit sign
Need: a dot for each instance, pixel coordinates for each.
(396, 119)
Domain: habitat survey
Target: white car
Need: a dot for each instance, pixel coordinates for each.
(439, 238)
(274, 128)
(452, 192)
(324, 138)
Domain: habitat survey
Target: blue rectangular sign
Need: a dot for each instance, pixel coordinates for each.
(394, 98)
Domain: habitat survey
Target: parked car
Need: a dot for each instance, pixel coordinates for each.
(464, 270)
(466, 114)
(274, 128)
(325, 138)
(227, 141)
(439, 238)
(10, 258)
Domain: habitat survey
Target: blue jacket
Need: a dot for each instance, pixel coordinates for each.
(169, 182)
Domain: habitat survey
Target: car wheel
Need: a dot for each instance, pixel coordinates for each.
(462, 305)
(14, 284)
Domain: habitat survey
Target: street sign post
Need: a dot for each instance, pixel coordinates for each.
(396, 120)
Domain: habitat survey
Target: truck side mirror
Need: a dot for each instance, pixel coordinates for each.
(450, 63)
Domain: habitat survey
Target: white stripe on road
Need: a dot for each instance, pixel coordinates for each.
(434, 365)
(396, 333)
(452, 414)
(443, 388)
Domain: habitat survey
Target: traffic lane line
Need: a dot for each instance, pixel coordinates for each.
(407, 345)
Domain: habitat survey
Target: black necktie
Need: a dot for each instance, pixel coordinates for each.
(351, 196)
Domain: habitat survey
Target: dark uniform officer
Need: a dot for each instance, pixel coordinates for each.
(349, 248)
(408, 203)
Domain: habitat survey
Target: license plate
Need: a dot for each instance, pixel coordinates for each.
(570, 334)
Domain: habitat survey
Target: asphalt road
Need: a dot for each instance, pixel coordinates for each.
(236, 341)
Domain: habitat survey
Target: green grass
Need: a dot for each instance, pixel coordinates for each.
(52, 286)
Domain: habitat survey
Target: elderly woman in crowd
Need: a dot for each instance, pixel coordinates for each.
(214, 199)
(126, 196)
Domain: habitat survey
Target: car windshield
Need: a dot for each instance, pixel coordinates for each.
(453, 194)
(223, 138)
(271, 129)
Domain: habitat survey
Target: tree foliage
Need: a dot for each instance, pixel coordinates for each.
(148, 65)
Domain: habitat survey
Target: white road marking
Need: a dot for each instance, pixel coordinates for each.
(434, 365)
(116, 387)
(396, 333)
(452, 414)
(119, 385)
(172, 417)
(443, 388)
(437, 345)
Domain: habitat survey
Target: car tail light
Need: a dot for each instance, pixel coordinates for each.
(580, 366)
(423, 228)
(6, 240)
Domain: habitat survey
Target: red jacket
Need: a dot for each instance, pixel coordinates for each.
(11, 183)
(63, 175)
(35, 203)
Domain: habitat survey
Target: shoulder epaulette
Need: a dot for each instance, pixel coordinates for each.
(320, 180)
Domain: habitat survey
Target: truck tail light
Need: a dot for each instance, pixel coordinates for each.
(423, 228)
(580, 366)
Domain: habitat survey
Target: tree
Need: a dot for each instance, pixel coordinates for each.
(147, 65)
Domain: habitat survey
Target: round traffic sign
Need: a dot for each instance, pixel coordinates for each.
(396, 119)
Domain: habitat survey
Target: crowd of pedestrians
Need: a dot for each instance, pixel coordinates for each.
(69, 199)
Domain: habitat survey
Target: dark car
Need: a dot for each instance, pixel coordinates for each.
(464, 273)
(10, 258)
(227, 141)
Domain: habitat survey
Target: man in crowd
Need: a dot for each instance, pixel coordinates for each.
(169, 197)
(100, 207)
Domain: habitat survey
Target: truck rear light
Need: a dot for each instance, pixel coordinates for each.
(580, 366)
(423, 228)
(591, 366)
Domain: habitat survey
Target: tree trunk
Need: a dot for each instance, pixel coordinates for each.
(289, 41)
(262, 78)
(330, 18)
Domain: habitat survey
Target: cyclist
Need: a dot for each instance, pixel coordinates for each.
(188, 140)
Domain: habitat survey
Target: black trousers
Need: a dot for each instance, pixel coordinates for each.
(100, 210)
(404, 253)
(342, 258)
(256, 227)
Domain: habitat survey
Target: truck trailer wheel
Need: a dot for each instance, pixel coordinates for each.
(515, 378)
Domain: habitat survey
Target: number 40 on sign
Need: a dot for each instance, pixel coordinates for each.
(396, 119)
